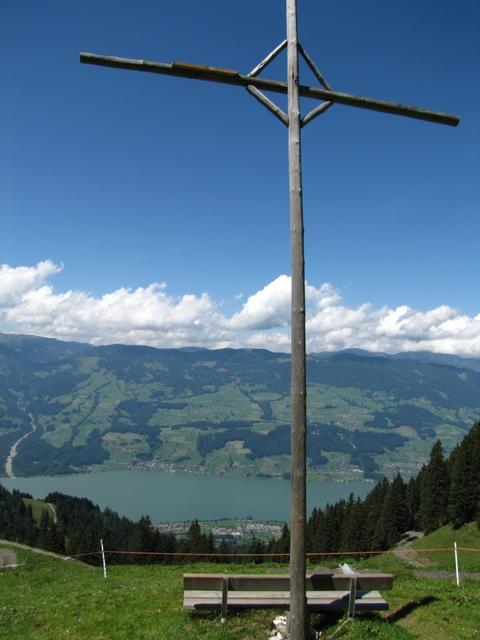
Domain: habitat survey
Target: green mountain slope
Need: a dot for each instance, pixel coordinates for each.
(224, 411)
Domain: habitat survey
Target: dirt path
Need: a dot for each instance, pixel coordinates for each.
(19, 545)
(405, 552)
(53, 511)
(408, 555)
(13, 450)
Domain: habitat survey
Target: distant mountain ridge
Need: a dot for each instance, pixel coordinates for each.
(227, 410)
(421, 356)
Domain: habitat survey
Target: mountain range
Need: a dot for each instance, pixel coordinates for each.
(226, 411)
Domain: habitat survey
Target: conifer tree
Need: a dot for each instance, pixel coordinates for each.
(50, 538)
(314, 530)
(393, 519)
(459, 499)
(373, 509)
(256, 546)
(224, 548)
(194, 540)
(464, 463)
(412, 502)
(280, 545)
(434, 491)
(353, 526)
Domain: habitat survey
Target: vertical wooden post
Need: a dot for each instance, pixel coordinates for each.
(223, 614)
(352, 597)
(103, 559)
(457, 568)
(297, 624)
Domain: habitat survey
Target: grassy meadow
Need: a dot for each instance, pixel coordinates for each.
(466, 538)
(49, 598)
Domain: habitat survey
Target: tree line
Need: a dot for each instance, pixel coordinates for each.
(446, 490)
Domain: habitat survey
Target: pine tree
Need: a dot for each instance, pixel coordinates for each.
(314, 530)
(256, 546)
(280, 545)
(459, 499)
(464, 463)
(412, 502)
(373, 509)
(434, 491)
(224, 548)
(194, 540)
(50, 537)
(353, 526)
(393, 519)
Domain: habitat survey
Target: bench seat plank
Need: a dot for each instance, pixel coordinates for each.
(326, 581)
(316, 601)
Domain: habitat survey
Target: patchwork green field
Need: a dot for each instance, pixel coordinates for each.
(226, 411)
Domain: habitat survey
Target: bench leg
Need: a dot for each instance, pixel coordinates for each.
(224, 600)
(352, 598)
(350, 610)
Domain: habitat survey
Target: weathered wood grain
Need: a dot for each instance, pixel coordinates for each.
(297, 621)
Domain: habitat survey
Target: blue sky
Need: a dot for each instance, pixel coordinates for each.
(120, 180)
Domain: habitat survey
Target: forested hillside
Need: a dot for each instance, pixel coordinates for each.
(226, 411)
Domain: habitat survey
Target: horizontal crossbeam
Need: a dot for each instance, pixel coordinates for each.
(229, 76)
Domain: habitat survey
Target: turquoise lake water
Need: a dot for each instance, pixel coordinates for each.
(169, 497)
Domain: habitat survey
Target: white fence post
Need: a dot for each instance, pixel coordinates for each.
(103, 559)
(457, 570)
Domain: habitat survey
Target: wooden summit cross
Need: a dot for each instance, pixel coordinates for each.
(294, 121)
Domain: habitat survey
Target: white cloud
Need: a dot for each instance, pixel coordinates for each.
(149, 315)
(15, 281)
(266, 309)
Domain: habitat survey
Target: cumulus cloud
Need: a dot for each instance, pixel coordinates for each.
(148, 315)
(266, 309)
(15, 281)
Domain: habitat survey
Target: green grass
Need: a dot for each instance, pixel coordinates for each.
(468, 536)
(48, 598)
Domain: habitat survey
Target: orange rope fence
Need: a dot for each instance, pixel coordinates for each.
(418, 549)
(187, 554)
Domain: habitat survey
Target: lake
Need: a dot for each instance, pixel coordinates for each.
(172, 497)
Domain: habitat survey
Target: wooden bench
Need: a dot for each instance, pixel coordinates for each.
(326, 591)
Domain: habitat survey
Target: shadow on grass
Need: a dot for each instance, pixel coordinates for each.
(409, 607)
(205, 614)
